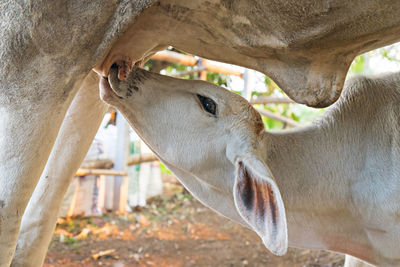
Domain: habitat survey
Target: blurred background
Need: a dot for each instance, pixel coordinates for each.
(124, 208)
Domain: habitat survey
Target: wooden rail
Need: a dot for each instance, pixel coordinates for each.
(132, 160)
(271, 100)
(188, 60)
(280, 118)
(141, 158)
(84, 172)
(175, 57)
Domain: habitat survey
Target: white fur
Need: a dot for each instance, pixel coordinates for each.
(338, 178)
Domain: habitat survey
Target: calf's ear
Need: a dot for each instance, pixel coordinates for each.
(259, 202)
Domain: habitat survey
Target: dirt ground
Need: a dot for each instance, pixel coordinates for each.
(175, 230)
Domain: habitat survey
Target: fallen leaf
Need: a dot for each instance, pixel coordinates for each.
(143, 221)
(83, 234)
(103, 253)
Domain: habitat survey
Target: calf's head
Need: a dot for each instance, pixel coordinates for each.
(211, 139)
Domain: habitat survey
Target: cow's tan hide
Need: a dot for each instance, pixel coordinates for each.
(73, 141)
(46, 50)
(305, 46)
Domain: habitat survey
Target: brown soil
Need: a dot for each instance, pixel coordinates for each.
(177, 232)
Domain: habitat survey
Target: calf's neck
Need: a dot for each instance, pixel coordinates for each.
(331, 185)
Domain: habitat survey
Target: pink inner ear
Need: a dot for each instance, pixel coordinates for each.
(257, 203)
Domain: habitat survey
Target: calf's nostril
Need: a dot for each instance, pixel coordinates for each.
(114, 66)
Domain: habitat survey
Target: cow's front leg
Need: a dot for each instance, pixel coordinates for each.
(73, 141)
(29, 122)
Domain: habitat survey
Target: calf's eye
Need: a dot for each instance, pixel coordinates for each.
(208, 104)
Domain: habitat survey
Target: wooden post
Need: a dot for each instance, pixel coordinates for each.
(203, 74)
(248, 84)
(120, 164)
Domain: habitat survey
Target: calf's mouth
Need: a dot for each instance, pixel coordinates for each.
(119, 71)
(124, 68)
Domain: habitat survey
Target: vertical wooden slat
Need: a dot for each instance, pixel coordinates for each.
(120, 164)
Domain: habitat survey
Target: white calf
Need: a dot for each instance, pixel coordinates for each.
(339, 177)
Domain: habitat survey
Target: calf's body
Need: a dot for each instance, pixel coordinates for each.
(338, 178)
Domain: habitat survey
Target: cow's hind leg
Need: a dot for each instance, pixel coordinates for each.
(73, 141)
(29, 125)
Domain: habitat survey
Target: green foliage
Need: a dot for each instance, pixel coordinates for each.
(272, 87)
(69, 240)
(149, 64)
(182, 196)
(177, 67)
(237, 92)
(389, 53)
(358, 64)
(218, 79)
(164, 170)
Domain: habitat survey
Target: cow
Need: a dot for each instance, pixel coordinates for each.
(48, 48)
(331, 185)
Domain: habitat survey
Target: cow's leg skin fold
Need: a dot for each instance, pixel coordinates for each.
(28, 130)
(73, 141)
